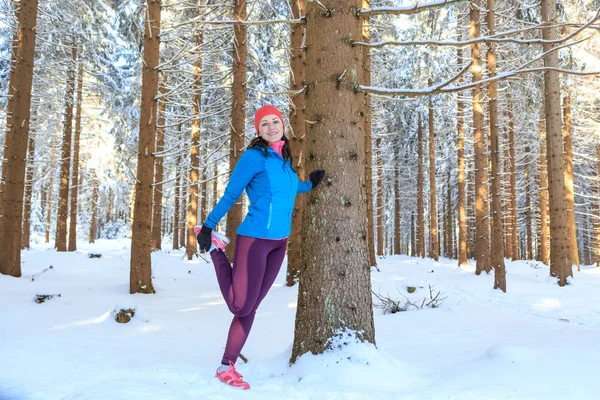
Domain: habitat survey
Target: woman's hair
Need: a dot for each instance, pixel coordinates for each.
(264, 146)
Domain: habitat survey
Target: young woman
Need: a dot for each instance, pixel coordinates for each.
(265, 171)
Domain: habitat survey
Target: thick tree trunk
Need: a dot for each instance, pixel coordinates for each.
(335, 287)
(397, 215)
(569, 185)
(192, 211)
(297, 137)
(94, 206)
(238, 113)
(420, 199)
(560, 260)
(140, 277)
(434, 251)
(482, 230)
(157, 189)
(75, 174)
(544, 244)
(528, 222)
(497, 242)
(65, 159)
(15, 142)
(380, 240)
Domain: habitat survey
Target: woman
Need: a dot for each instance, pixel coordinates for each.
(265, 171)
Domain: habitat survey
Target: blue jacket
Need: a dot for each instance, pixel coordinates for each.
(271, 185)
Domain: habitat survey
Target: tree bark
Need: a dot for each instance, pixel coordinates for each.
(420, 199)
(192, 211)
(544, 249)
(560, 260)
(238, 113)
(140, 277)
(297, 137)
(72, 246)
(569, 185)
(434, 251)
(334, 295)
(482, 230)
(157, 189)
(497, 245)
(65, 160)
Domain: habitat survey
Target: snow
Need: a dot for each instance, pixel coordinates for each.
(537, 341)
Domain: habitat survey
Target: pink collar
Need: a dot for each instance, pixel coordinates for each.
(278, 147)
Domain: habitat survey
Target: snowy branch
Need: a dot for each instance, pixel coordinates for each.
(417, 8)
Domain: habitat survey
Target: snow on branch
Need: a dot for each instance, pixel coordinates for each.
(416, 8)
(200, 21)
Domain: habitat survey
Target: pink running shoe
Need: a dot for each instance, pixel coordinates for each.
(232, 378)
(218, 240)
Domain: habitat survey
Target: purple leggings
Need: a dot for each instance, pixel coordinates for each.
(256, 264)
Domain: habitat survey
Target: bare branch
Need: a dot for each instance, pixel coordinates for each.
(417, 8)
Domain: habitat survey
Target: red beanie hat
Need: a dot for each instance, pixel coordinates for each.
(263, 112)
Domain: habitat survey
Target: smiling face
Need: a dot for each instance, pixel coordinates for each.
(270, 128)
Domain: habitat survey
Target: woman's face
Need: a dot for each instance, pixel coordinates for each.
(270, 128)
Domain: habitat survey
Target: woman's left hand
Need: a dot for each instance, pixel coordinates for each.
(316, 177)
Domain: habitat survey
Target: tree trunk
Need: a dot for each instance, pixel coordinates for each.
(569, 185)
(297, 137)
(448, 213)
(157, 189)
(397, 215)
(544, 244)
(94, 206)
(497, 242)
(434, 251)
(507, 197)
(49, 195)
(238, 113)
(65, 159)
(482, 230)
(560, 260)
(192, 211)
(513, 184)
(75, 175)
(335, 287)
(30, 169)
(380, 240)
(596, 213)
(176, 207)
(140, 278)
(462, 214)
(15, 142)
(420, 199)
(528, 221)
(366, 37)
(182, 211)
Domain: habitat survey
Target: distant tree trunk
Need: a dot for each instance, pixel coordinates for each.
(157, 189)
(192, 211)
(596, 213)
(65, 160)
(507, 198)
(448, 215)
(182, 212)
(420, 199)
(297, 137)
(50, 192)
(528, 221)
(109, 207)
(203, 190)
(413, 236)
(215, 188)
(366, 37)
(544, 232)
(75, 175)
(380, 239)
(569, 185)
(587, 246)
(434, 251)
(513, 184)
(30, 169)
(15, 142)
(140, 278)
(497, 242)
(176, 207)
(482, 230)
(334, 294)
(94, 206)
(238, 113)
(470, 211)
(397, 215)
(560, 260)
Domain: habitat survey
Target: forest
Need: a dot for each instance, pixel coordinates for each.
(465, 132)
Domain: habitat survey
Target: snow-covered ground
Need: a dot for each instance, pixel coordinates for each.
(537, 341)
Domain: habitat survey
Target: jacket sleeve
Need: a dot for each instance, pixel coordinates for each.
(304, 186)
(245, 169)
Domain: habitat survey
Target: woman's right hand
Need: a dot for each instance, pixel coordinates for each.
(204, 239)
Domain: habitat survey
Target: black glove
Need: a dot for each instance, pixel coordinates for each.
(316, 176)
(204, 239)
